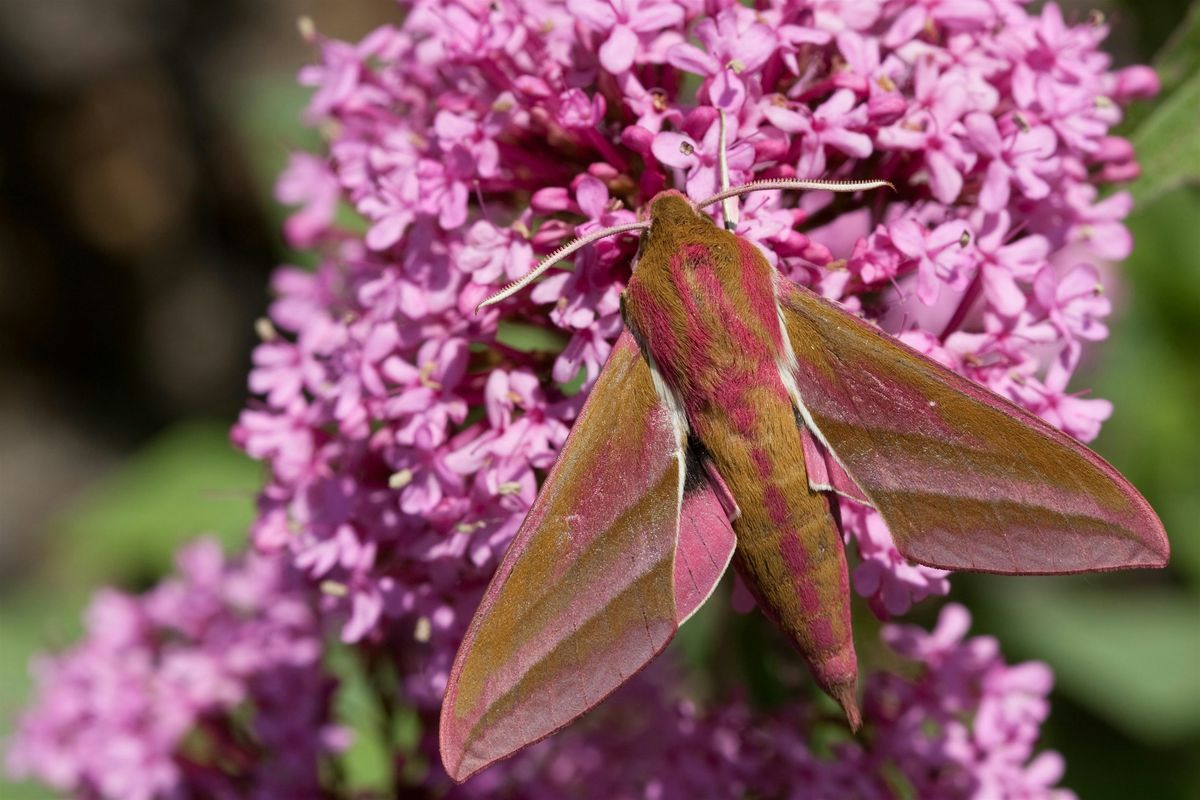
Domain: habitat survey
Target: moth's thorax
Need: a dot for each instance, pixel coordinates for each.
(702, 303)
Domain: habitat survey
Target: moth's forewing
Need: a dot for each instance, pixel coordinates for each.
(591, 588)
(964, 479)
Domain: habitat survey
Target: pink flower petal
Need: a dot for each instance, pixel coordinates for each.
(945, 181)
(617, 53)
(787, 119)
(727, 91)
(596, 14)
(1002, 292)
(993, 195)
(650, 18)
(690, 58)
(857, 145)
(675, 150)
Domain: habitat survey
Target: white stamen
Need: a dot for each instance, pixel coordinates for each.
(558, 255)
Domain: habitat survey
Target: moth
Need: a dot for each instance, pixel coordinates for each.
(734, 411)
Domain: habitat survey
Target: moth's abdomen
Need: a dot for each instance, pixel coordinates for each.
(789, 548)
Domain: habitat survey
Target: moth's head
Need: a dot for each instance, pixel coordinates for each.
(672, 207)
(669, 205)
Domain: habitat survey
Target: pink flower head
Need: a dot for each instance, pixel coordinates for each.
(632, 30)
(490, 252)
(934, 129)
(1004, 262)
(309, 182)
(942, 255)
(476, 138)
(1076, 301)
(405, 435)
(155, 700)
(735, 45)
(836, 124)
(1022, 156)
(889, 582)
(695, 151)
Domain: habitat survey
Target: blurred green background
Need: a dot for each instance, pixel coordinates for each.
(137, 233)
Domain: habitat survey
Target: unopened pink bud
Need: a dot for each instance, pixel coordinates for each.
(550, 199)
(884, 109)
(1136, 82)
(603, 170)
(1114, 148)
(531, 86)
(1123, 171)
(817, 253)
(768, 150)
(637, 139)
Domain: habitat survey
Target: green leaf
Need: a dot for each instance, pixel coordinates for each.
(530, 338)
(25, 790)
(125, 528)
(1165, 137)
(1147, 370)
(1128, 656)
(367, 763)
(1180, 56)
(268, 110)
(1167, 144)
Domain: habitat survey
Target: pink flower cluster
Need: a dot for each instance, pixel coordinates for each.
(210, 682)
(404, 436)
(964, 726)
(480, 135)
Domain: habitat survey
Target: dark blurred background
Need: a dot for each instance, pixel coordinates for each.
(137, 232)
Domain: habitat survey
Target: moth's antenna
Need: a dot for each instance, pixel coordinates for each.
(729, 207)
(558, 255)
(793, 183)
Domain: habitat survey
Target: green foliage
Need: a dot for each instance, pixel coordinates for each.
(1179, 59)
(1149, 371)
(368, 761)
(126, 527)
(1126, 652)
(529, 338)
(1168, 145)
(1167, 138)
(30, 615)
